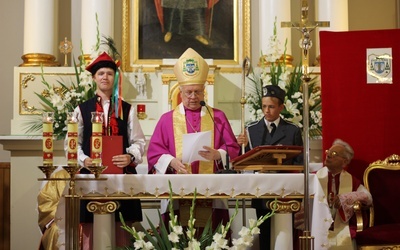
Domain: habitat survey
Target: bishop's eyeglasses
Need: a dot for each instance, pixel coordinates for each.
(193, 93)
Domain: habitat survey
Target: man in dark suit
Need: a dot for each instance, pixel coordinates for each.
(272, 129)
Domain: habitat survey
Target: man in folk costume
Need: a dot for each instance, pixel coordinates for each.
(342, 190)
(120, 119)
(164, 154)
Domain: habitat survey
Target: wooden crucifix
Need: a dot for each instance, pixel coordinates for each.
(306, 27)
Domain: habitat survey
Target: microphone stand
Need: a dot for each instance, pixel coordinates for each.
(226, 169)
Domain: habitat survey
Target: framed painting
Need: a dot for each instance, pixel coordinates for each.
(154, 31)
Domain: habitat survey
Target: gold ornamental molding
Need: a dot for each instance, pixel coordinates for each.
(30, 109)
(29, 83)
(86, 58)
(102, 207)
(26, 79)
(286, 59)
(167, 78)
(281, 206)
(39, 59)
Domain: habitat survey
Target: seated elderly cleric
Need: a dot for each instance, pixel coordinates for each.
(341, 190)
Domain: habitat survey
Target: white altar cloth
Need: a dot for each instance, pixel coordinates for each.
(234, 185)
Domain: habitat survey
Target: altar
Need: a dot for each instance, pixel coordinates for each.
(232, 186)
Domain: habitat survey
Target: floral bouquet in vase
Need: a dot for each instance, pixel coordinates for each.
(175, 237)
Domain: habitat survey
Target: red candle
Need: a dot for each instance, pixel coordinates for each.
(141, 108)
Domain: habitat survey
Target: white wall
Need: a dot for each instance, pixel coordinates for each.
(11, 50)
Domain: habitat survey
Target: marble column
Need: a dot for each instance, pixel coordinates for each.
(40, 32)
(90, 27)
(282, 223)
(103, 223)
(269, 9)
(334, 11)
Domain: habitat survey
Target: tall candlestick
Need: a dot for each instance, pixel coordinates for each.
(48, 119)
(72, 139)
(97, 133)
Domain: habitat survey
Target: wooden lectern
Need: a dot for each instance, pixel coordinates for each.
(268, 158)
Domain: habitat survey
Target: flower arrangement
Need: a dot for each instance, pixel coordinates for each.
(175, 238)
(64, 97)
(274, 71)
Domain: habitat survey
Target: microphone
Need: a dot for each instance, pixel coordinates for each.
(226, 167)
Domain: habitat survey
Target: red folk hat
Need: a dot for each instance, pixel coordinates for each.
(102, 61)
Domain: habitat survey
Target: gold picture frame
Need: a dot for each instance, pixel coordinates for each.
(146, 51)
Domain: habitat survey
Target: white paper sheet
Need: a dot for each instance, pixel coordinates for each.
(192, 144)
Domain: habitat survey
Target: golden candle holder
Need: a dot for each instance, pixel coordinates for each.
(96, 170)
(47, 170)
(72, 169)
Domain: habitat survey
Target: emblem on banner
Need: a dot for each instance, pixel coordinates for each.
(379, 65)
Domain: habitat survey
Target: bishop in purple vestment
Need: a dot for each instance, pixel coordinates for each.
(192, 115)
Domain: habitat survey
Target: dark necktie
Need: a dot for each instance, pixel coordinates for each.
(273, 129)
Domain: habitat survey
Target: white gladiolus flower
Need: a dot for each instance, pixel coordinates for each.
(173, 237)
(177, 229)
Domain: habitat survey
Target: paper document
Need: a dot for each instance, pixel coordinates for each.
(192, 144)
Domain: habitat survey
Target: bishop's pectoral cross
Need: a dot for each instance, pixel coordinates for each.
(305, 27)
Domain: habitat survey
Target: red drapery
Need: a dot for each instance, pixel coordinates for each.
(365, 115)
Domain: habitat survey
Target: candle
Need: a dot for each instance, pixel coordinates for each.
(72, 130)
(97, 133)
(48, 118)
(141, 111)
(141, 108)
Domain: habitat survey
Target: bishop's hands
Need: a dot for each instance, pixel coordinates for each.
(178, 166)
(210, 154)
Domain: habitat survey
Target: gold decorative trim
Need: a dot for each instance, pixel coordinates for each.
(390, 163)
(246, 30)
(287, 59)
(210, 79)
(27, 108)
(24, 82)
(39, 59)
(107, 207)
(285, 207)
(24, 77)
(168, 78)
(86, 58)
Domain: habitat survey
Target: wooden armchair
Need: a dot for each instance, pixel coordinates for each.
(382, 179)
